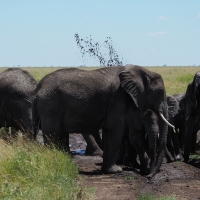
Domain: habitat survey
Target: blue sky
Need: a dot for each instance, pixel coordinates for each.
(147, 33)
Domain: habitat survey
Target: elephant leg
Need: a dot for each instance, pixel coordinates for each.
(112, 140)
(168, 155)
(194, 139)
(92, 148)
(177, 148)
(137, 140)
(152, 138)
(188, 137)
(170, 151)
(131, 155)
(122, 153)
(53, 132)
(65, 142)
(182, 134)
(98, 138)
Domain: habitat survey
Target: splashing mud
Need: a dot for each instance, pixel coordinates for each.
(94, 49)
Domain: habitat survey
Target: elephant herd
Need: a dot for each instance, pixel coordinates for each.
(128, 103)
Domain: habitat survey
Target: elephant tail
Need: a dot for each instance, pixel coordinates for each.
(36, 120)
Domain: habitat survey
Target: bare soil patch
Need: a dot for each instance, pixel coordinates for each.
(176, 179)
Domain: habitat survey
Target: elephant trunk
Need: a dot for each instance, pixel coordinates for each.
(163, 128)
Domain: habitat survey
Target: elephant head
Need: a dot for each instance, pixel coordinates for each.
(147, 91)
(192, 110)
(192, 96)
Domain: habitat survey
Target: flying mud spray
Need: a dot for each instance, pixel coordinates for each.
(88, 46)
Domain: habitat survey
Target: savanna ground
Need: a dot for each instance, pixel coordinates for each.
(174, 181)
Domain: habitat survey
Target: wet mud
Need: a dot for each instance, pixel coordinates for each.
(176, 179)
(88, 46)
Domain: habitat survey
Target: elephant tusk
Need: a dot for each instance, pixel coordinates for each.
(161, 115)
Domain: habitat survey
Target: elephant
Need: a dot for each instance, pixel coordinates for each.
(74, 100)
(179, 119)
(17, 91)
(173, 150)
(147, 130)
(173, 144)
(191, 106)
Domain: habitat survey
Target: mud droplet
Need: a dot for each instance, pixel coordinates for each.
(94, 50)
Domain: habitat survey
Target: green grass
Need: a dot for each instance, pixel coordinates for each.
(176, 79)
(31, 171)
(195, 156)
(152, 197)
(129, 178)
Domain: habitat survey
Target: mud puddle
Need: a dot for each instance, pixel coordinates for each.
(176, 179)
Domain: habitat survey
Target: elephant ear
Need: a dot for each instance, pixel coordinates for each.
(190, 95)
(132, 83)
(196, 83)
(190, 101)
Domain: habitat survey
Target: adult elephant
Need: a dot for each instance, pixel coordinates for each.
(17, 91)
(73, 100)
(192, 114)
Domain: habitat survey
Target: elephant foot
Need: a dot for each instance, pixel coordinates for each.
(179, 157)
(170, 160)
(136, 165)
(186, 159)
(112, 170)
(94, 152)
(145, 171)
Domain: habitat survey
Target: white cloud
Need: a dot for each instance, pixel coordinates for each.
(164, 18)
(157, 33)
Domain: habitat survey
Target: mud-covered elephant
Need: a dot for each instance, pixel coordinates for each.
(192, 114)
(17, 91)
(73, 100)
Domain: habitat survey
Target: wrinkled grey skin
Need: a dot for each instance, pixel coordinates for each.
(148, 129)
(93, 141)
(152, 130)
(73, 100)
(17, 91)
(179, 119)
(173, 137)
(127, 154)
(143, 135)
(192, 115)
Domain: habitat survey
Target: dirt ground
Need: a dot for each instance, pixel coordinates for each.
(174, 179)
